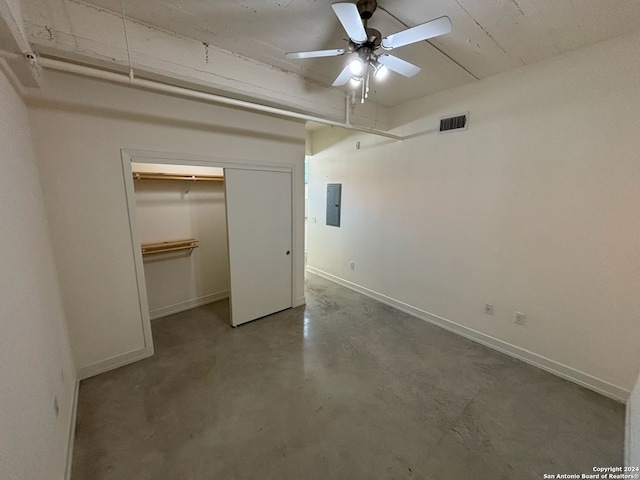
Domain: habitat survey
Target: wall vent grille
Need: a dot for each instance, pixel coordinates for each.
(458, 122)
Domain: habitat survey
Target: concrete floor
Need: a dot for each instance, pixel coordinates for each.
(346, 388)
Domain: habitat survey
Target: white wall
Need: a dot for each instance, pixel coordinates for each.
(535, 208)
(35, 359)
(633, 431)
(80, 125)
(170, 210)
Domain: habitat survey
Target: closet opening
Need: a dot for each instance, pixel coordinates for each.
(182, 228)
(213, 231)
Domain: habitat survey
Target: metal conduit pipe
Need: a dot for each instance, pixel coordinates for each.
(207, 97)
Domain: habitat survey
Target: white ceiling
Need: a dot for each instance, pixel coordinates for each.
(488, 37)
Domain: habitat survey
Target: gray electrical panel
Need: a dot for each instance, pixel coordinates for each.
(334, 196)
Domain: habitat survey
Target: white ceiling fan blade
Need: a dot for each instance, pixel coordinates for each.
(343, 78)
(349, 17)
(398, 65)
(431, 29)
(336, 52)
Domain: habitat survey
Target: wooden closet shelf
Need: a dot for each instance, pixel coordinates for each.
(177, 176)
(164, 247)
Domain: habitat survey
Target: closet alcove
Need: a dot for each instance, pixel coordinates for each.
(182, 225)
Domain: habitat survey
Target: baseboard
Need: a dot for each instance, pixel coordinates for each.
(188, 305)
(568, 373)
(114, 362)
(299, 302)
(72, 429)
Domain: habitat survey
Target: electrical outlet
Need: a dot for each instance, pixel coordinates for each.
(352, 265)
(488, 309)
(518, 317)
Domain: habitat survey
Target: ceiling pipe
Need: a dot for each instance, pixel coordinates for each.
(207, 97)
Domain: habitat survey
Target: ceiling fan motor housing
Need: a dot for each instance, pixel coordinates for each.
(366, 8)
(374, 37)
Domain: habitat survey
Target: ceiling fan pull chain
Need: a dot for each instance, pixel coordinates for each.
(366, 93)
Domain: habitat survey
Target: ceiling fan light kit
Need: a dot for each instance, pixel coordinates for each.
(365, 43)
(357, 67)
(380, 71)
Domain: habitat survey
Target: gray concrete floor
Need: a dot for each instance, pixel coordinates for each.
(344, 388)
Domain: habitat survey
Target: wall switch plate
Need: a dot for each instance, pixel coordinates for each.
(313, 219)
(518, 317)
(488, 309)
(352, 265)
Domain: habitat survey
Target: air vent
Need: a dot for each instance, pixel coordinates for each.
(459, 122)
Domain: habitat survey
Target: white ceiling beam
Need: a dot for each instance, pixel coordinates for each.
(79, 32)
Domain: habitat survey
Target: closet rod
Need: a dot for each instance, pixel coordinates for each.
(177, 176)
(164, 247)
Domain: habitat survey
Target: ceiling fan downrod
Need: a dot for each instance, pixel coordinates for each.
(366, 9)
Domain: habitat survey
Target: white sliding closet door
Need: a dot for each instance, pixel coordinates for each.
(260, 238)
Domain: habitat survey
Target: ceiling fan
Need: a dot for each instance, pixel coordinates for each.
(366, 43)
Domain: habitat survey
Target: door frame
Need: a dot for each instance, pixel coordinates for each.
(297, 216)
